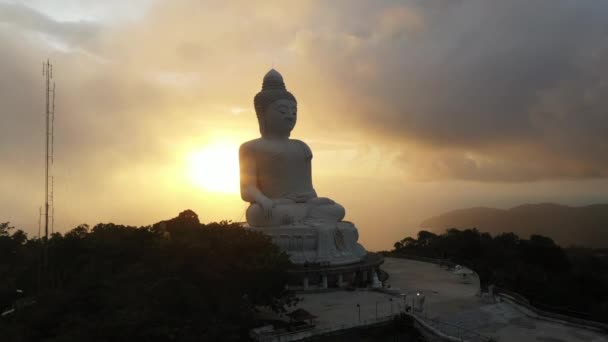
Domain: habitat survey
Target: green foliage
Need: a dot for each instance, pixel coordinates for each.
(175, 280)
(5, 228)
(571, 281)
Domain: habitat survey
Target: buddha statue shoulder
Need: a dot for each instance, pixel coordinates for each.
(276, 177)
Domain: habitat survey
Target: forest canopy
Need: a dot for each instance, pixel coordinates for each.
(175, 280)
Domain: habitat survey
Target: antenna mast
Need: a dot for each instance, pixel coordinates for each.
(47, 72)
(39, 219)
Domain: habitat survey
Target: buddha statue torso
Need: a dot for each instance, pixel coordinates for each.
(284, 168)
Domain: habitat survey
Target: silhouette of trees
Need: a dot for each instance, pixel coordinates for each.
(572, 281)
(176, 280)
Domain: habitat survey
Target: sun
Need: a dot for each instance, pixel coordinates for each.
(215, 167)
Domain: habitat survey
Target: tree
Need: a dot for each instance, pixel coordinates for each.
(177, 279)
(5, 228)
(426, 238)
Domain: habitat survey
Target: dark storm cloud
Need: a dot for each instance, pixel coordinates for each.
(476, 76)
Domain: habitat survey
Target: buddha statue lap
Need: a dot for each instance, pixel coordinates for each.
(276, 179)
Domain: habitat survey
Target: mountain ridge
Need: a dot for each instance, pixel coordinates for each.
(566, 225)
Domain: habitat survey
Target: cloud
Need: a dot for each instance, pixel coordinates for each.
(71, 34)
(131, 97)
(440, 90)
(475, 77)
(521, 86)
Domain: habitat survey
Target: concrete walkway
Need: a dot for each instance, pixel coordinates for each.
(445, 292)
(453, 301)
(506, 323)
(449, 299)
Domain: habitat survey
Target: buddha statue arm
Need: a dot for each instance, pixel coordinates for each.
(249, 190)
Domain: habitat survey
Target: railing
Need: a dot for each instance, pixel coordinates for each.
(564, 311)
(448, 331)
(455, 332)
(19, 304)
(520, 299)
(294, 335)
(523, 301)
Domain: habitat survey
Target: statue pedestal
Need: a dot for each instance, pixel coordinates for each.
(324, 243)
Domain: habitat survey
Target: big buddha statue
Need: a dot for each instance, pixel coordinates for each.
(276, 179)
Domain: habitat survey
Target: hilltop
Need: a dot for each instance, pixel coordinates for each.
(582, 226)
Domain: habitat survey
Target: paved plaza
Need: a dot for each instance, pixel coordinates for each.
(451, 300)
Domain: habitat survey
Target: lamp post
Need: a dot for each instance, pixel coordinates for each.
(416, 302)
(359, 307)
(376, 309)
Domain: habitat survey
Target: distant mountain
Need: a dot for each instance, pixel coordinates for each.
(582, 226)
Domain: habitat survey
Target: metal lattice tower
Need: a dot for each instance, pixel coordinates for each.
(47, 72)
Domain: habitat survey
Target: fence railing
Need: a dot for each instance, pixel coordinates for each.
(439, 328)
(520, 298)
(454, 331)
(292, 335)
(523, 301)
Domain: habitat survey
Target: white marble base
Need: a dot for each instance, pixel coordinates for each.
(326, 243)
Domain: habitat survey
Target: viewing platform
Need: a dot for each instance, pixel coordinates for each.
(453, 309)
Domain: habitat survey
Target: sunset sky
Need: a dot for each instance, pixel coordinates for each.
(411, 108)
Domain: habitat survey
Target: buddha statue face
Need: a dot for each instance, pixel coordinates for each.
(280, 118)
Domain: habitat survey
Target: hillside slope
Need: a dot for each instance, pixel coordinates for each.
(586, 226)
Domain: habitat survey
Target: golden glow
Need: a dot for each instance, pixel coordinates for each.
(215, 168)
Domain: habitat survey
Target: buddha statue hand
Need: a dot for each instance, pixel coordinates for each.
(320, 201)
(300, 197)
(282, 211)
(267, 206)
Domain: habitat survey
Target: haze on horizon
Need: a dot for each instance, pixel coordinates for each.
(411, 108)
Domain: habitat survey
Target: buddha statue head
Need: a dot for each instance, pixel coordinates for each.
(275, 107)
